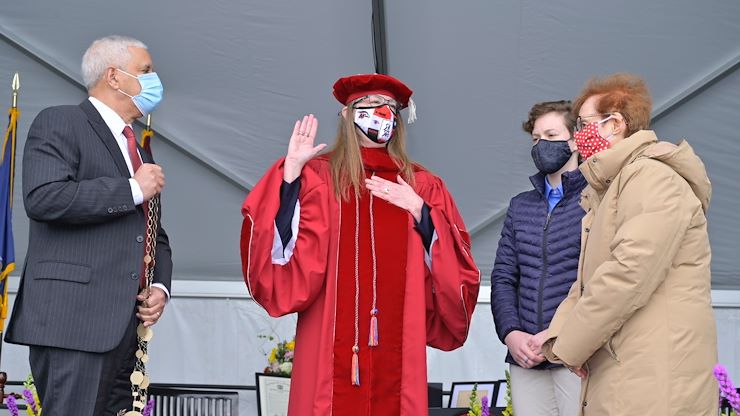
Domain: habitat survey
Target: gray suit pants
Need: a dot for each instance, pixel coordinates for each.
(78, 383)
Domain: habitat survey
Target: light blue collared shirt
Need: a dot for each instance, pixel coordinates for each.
(553, 195)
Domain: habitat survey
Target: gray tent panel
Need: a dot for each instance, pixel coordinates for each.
(238, 74)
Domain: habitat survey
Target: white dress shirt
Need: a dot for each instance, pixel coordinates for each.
(116, 124)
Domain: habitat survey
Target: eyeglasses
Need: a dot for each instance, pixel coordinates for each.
(581, 123)
(373, 101)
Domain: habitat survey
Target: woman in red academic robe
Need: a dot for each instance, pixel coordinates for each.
(371, 252)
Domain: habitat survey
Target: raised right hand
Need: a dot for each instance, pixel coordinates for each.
(517, 341)
(150, 179)
(301, 148)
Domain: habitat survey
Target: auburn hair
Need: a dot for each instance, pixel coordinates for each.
(622, 93)
(347, 169)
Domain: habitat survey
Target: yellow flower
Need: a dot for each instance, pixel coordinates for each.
(290, 346)
(273, 355)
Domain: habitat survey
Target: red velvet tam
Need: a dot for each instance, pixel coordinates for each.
(350, 88)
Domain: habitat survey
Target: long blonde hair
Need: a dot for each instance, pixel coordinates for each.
(347, 169)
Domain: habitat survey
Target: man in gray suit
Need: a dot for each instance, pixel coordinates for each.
(84, 190)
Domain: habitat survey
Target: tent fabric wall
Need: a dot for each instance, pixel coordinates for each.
(238, 73)
(478, 66)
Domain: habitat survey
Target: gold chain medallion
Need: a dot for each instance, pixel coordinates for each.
(139, 378)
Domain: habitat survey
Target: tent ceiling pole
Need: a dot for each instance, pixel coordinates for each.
(379, 35)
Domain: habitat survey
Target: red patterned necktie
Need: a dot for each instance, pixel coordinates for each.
(133, 154)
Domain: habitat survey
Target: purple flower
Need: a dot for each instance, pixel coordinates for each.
(148, 408)
(726, 388)
(486, 410)
(30, 401)
(12, 405)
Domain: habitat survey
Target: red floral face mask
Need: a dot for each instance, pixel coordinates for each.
(589, 140)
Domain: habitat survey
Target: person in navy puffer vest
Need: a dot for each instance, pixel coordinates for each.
(536, 264)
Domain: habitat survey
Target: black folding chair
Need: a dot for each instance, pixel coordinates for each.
(187, 402)
(434, 394)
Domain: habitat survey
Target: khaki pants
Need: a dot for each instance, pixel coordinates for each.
(554, 392)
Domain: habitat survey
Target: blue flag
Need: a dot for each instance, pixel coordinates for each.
(7, 249)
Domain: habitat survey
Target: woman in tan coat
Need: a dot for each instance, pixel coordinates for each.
(637, 325)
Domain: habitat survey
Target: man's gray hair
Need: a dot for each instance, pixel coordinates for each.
(105, 52)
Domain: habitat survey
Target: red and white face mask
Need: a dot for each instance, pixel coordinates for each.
(589, 140)
(377, 123)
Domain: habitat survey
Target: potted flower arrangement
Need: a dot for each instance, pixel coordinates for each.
(33, 404)
(30, 396)
(478, 407)
(280, 358)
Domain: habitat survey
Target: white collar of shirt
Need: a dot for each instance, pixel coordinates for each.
(116, 124)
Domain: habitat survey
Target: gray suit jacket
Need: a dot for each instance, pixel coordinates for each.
(86, 239)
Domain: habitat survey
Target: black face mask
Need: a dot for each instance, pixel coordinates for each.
(549, 156)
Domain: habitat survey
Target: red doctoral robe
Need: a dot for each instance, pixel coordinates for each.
(422, 298)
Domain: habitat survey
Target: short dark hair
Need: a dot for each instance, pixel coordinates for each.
(538, 110)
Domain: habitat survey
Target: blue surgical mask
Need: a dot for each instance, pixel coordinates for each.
(151, 92)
